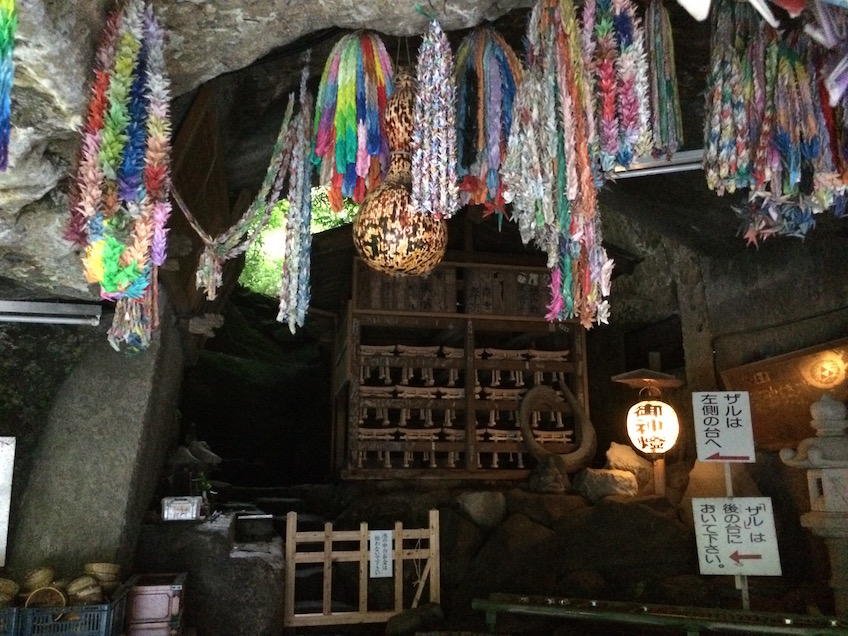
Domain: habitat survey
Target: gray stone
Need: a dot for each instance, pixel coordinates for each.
(106, 438)
(621, 535)
(485, 508)
(623, 457)
(517, 558)
(597, 483)
(412, 621)
(459, 541)
(546, 509)
(582, 584)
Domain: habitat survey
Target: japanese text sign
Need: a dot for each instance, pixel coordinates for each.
(736, 535)
(381, 554)
(723, 431)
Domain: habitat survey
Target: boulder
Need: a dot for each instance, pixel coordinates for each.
(412, 621)
(597, 483)
(623, 457)
(546, 509)
(485, 508)
(516, 559)
(618, 536)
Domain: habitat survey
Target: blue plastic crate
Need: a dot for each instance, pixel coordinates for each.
(105, 619)
(9, 621)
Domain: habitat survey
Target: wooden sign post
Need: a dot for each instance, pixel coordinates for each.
(735, 535)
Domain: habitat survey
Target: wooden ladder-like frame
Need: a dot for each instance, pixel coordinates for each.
(331, 554)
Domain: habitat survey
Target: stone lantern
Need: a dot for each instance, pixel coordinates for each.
(825, 458)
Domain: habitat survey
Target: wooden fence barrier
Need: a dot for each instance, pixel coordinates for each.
(322, 547)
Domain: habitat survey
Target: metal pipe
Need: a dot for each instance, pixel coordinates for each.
(52, 320)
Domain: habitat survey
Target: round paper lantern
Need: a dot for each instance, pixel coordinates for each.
(652, 426)
(389, 233)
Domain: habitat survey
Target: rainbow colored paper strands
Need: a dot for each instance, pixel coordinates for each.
(613, 44)
(123, 178)
(434, 187)
(295, 284)
(8, 26)
(769, 128)
(487, 74)
(548, 172)
(349, 131)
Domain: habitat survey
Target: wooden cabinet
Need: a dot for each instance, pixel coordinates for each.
(435, 393)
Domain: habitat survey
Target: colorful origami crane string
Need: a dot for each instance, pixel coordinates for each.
(122, 183)
(667, 122)
(8, 26)
(434, 185)
(238, 238)
(295, 285)
(615, 58)
(349, 132)
(548, 172)
(769, 127)
(487, 74)
(737, 50)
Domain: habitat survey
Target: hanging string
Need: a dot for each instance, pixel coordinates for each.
(8, 27)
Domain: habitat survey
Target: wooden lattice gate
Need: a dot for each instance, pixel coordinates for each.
(326, 547)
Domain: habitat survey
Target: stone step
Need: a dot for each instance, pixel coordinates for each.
(279, 505)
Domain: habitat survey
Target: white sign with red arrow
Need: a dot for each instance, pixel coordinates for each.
(723, 430)
(735, 535)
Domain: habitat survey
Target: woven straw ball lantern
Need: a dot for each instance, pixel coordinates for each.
(391, 235)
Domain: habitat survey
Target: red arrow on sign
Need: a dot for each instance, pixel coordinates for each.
(738, 557)
(727, 458)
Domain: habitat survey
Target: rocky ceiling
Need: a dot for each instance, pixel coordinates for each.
(250, 53)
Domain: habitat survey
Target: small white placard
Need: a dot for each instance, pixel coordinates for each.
(7, 469)
(723, 430)
(735, 535)
(381, 554)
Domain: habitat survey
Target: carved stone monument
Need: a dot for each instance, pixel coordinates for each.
(825, 458)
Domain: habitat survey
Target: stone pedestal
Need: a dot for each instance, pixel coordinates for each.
(825, 457)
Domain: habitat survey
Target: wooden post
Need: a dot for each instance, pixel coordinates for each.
(363, 567)
(397, 557)
(291, 550)
(435, 558)
(470, 411)
(740, 579)
(327, 596)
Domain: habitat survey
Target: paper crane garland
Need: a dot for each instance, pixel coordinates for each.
(349, 132)
(487, 75)
(769, 127)
(121, 205)
(295, 284)
(8, 26)
(548, 168)
(667, 122)
(434, 187)
(614, 57)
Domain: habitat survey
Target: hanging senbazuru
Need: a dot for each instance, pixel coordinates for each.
(389, 233)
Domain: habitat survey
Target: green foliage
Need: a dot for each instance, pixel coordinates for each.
(323, 216)
(262, 268)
